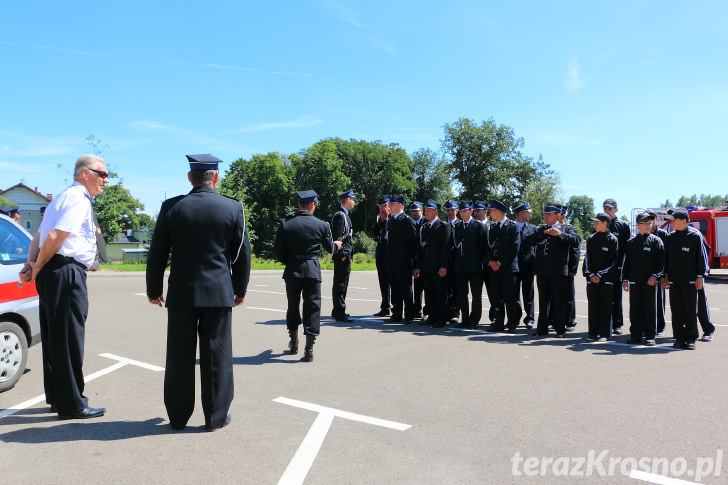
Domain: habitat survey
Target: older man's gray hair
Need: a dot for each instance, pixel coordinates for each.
(86, 161)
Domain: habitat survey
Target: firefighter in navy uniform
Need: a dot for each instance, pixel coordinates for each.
(686, 265)
(451, 212)
(299, 239)
(432, 263)
(415, 210)
(480, 211)
(205, 233)
(341, 230)
(467, 265)
(553, 241)
(600, 271)
(574, 258)
(501, 258)
(380, 255)
(401, 249)
(644, 261)
(621, 230)
(526, 263)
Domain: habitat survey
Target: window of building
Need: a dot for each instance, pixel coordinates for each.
(28, 225)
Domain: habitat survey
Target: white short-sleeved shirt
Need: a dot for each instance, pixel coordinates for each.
(70, 211)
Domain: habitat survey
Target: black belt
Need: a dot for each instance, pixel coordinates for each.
(304, 257)
(60, 260)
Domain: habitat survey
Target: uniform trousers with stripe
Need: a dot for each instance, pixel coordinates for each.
(600, 297)
(642, 311)
(684, 309)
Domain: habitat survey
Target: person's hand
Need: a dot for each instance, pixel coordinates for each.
(625, 286)
(338, 245)
(442, 272)
(239, 300)
(157, 301)
(665, 283)
(699, 284)
(26, 274)
(343, 259)
(552, 231)
(652, 281)
(416, 272)
(494, 265)
(595, 279)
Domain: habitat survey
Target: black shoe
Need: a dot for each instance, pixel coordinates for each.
(439, 325)
(617, 330)
(177, 427)
(529, 325)
(418, 316)
(650, 342)
(381, 313)
(293, 348)
(426, 321)
(689, 346)
(210, 428)
(54, 409)
(344, 319)
(537, 334)
(395, 319)
(474, 326)
(463, 325)
(408, 321)
(496, 328)
(677, 345)
(307, 356)
(85, 413)
(634, 342)
(511, 330)
(560, 335)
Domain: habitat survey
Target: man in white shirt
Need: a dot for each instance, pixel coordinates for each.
(61, 251)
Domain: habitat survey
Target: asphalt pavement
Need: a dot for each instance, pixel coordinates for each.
(381, 403)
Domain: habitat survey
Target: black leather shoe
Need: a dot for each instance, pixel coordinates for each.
(344, 319)
(439, 325)
(560, 335)
(54, 409)
(177, 427)
(307, 356)
(395, 320)
(408, 322)
(293, 348)
(210, 428)
(85, 413)
(463, 325)
(381, 313)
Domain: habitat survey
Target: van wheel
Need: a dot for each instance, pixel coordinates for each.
(13, 354)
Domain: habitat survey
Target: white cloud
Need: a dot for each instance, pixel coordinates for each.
(575, 80)
(301, 122)
(345, 14)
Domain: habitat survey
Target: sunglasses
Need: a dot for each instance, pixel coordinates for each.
(100, 173)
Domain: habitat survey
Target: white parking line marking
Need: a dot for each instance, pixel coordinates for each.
(266, 291)
(357, 288)
(306, 454)
(122, 363)
(267, 309)
(652, 478)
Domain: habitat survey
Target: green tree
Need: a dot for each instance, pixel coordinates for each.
(580, 212)
(116, 211)
(4, 201)
(540, 191)
(487, 161)
(263, 184)
(432, 176)
(145, 220)
(702, 201)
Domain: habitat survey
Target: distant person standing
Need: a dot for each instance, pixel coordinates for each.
(432, 263)
(15, 214)
(205, 233)
(401, 248)
(380, 255)
(415, 210)
(600, 271)
(341, 230)
(621, 230)
(526, 263)
(299, 239)
(469, 239)
(61, 251)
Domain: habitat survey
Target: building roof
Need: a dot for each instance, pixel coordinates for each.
(47, 198)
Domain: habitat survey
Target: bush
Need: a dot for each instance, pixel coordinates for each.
(363, 243)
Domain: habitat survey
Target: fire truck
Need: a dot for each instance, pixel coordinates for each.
(711, 222)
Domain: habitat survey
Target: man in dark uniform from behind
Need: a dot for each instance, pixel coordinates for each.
(467, 265)
(644, 261)
(401, 248)
(553, 241)
(415, 210)
(526, 263)
(298, 240)
(380, 255)
(686, 265)
(501, 257)
(205, 233)
(621, 230)
(600, 271)
(431, 264)
(341, 230)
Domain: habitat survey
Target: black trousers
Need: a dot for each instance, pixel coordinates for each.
(599, 297)
(473, 279)
(660, 294)
(400, 282)
(452, 295)
(63, 308)
(417, 292)
(383, 276)
(212, 325)
(491, 301)
(435, 289)
(310, 290)
(524, 287)
(504, 291)
(552, 294)
(704, 313)
(617, 317)
(571, 303)
(684, 308)
(642, 311)
(342, 270)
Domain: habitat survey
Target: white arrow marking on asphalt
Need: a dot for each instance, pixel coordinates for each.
(652, 478)
(122, 361)
(303, 459)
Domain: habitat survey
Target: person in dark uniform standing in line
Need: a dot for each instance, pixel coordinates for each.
(501, 257)
(686, 265)
(621, 230)
(553, 241)
(380, 255)
(659, 289)
(209, 273)
(451, 212)
(299, 238)
(600, 271)
(644, 261)
(526, 263)
(480, 214)
(431, 264)
(401, 249)
(469, 239)
(415, 210)
(574, 258)
(59, 255)
(341, 230)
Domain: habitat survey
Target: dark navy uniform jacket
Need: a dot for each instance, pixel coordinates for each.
(469, 240)
(503, 245)
(298, 240)
(433, 251)
(643, 257)
(601, 257)
(205, 232)
(526, 252)
(401, 241)
(341, 230)
(621, 230)
(685, 257)
(552, 252)
(379, 233)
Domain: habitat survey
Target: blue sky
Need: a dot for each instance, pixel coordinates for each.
(626, 99)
